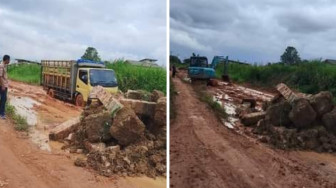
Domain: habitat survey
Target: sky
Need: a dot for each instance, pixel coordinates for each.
(63, 29)
(255, 31)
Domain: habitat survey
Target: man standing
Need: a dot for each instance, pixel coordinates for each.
(174, 71)
(3, 85)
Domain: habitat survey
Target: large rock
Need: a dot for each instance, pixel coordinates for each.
(161, 112)
(277, 114)
(94, 147)
(141, 108)
(302, 113)
(156, 94)
(138, 95)
(329, 121)
(322, 103)
(252, 118)
(63, 130)
(283, 138)
(97, 127)
(127, 127)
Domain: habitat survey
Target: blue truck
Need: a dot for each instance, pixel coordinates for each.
(199, 68)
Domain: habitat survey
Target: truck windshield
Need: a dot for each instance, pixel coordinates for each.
(105, 78)
(198, 62)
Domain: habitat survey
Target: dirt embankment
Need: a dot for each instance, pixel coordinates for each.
(205, 153)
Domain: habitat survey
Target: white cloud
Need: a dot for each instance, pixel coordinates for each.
(62, 29)
(255, 31)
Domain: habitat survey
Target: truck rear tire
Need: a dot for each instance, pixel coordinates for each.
(51, 93)
(80, 100)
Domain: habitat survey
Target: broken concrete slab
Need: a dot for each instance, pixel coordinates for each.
(302, 113)
(286, 92)
(329, 121)
(63, 130)
(93, 147)
(138, 95)
(156, 94)
(322, 103)
(140, 107)
(106, 98)
(80, 162)
(160, 112)
(252, 118)
(113, 149)
(127, 127)
(251, 101)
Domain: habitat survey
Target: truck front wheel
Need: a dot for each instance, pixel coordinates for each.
(80, 100)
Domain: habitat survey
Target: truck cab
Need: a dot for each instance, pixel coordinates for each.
(199, 68)
(74, 80)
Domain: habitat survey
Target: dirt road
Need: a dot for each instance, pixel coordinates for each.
(205, 153)
(25, 161)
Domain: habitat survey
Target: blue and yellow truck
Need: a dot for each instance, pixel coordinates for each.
(73, 80)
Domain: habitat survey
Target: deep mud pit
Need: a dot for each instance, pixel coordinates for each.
(204, 153)
(34, 161)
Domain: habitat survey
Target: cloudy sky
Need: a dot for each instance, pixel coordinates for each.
(253, 31)
(63, 29)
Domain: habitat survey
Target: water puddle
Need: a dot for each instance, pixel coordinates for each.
(24, 107)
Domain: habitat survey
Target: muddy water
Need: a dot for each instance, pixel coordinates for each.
(24, 106)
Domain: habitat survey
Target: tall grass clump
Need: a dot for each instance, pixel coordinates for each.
(28, 73)
(138, 77)
(129, 76)
(20, 123)
(309, 77)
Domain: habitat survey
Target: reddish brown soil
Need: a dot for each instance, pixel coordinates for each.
(52, 111)
(204, 153)
(24, 165)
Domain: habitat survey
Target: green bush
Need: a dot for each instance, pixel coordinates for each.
(310, 77)
(28, 73)
(20, 123)
(139, 77)
(129, 76)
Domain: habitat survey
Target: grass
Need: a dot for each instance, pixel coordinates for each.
(28, 73)
(129, 76)
(216, 107)
(139, 77)
(20, 123)
(310, 77)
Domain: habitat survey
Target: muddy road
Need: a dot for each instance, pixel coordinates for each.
(206, 153)
(31, 160)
